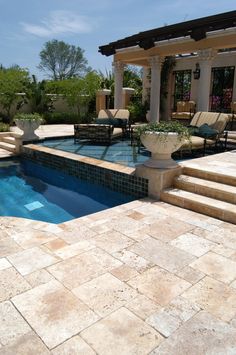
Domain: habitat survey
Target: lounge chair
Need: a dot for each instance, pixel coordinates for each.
(184, 112)
(216, 121)
(110, 124)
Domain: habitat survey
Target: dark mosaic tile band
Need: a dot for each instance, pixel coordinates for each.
(117, 181)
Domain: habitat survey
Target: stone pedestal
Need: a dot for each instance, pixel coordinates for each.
(101, 99)
(159, 179)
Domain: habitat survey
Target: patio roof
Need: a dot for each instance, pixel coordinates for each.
(196, 30)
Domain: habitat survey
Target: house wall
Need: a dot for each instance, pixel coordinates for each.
(221, 60)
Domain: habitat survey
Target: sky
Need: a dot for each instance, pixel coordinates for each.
(25, 25)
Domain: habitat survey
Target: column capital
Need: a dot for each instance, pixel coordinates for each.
(207, 54)
(118, 66)
(155, 61)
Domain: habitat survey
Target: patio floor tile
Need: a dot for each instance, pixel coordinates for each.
(127, 333)
(142, 306)
(4, 264)
(163, 322)
(213, 296)
(202, 334)
(32, 238)
(84, 267)
(159, 285)
(216, 266)
(124, 272)
(24, 346)
(105, 294)
(73, 346)
(133, 260)
(54, 313)
(8, 246)
(11, 284)
(30, 260)
(168, 229)
(12, 325)
(162, 254)
(193, 244)
(112, 241)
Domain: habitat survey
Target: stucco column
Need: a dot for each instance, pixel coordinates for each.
(146, 84)
(205, 60)
(155, 63)
(118, 73)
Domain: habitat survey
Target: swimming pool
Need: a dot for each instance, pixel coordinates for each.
(36, 192)
(120, 151)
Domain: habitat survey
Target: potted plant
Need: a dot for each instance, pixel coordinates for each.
(28, 123)
(162, 139)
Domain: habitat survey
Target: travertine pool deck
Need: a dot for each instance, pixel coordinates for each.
(142, 278)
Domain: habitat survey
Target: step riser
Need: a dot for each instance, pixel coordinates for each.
(198, 207)
(8, 140)
(206, 191)
(9, 149)
(224, 179)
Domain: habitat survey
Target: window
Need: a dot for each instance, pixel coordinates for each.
(182, 86)
(222, 81)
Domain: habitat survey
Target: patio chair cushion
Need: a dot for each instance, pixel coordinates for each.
(196, 143)
(206, 131)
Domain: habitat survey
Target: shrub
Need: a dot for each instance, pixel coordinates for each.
(4, 127)
(137, 111)
(28, 116)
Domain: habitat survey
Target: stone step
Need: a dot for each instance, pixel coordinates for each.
(205, 205)
(207, 188)
(222, 178)
(8, 146)
(9, 139)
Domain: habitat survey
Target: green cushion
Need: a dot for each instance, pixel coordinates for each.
(102, 120)
(206, 131)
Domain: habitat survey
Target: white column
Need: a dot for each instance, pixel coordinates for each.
(146, 84)
(118, 73)
(205, 60)
(155, 63)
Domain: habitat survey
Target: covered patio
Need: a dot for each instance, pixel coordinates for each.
(198, 46)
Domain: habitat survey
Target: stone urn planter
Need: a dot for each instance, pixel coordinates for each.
(28, 123)
(162, 143)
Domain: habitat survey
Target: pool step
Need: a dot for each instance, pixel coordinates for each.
(206, 205)
(8, 146)
(210, 175)
(206, 188)
(9, 139)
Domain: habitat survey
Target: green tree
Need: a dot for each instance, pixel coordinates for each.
(14, 85)
(62, 61)
(77, 92)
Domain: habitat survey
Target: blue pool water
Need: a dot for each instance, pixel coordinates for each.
(119, 151)
(32, 191)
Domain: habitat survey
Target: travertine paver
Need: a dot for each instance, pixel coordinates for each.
(121, 333)
(4, 264)
(73, 346)
(215, 297)
(159, 285)
(162, 254)
(27, 344)
(54, 312)
(11, 284)
(105, 294)
(84, 267)
(12, 325)
(31, 238)
(112, 241)
(30, 260)
(216, 266)
(8, 247)
(141, 276)
(163, 322)
(193, 244)
(202, 334)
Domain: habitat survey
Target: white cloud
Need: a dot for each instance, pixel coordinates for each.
(59, 22)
